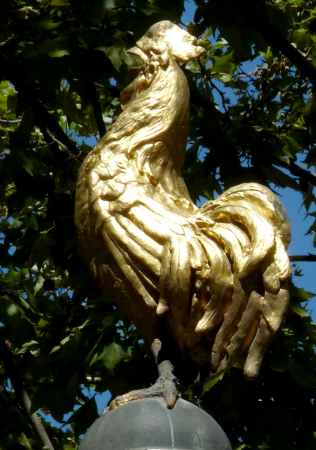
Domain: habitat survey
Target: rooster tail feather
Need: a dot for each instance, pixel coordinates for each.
(253, 227)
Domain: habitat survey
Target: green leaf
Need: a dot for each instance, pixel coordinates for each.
(268, 54)
(58, 53)
(225, 77)
(115, 54)
(209, 384)
(299, 311)
(23, 440)
(12, 310)
(224, 64)
(31, 347)
(28, 165)
(49, 24)
(300, 294)
(302, 37)
(109, 4)
(291, 146)
(298, 371)
(28, 11)
(53, 47)
(39, 284)
(193, 66)
(110, 356)
(59, 2)
(12, 102)
(70, 339)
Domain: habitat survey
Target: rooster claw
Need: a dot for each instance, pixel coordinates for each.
(165, 387)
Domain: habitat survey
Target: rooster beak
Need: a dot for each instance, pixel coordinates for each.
(136, 51)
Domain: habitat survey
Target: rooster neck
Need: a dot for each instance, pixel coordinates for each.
(157, 110)
(149, 135)
(159, 157)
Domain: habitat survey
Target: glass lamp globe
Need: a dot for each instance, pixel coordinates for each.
(148, 425)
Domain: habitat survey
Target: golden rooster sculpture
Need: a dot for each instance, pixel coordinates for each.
(216, 276)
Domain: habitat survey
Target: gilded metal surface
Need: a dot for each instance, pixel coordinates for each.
(217, 273)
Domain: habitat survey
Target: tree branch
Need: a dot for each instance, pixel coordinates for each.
(10, 122)
(308, 258)
(30, 96)
(46, 121)
(22, 395)
(255, 15)
(257, 18)
(219, 118)
(279, 42)
(296, 170)
(37, 422)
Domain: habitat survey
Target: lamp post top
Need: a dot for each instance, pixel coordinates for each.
(148, 425)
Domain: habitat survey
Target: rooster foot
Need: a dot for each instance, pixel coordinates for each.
(165, 386)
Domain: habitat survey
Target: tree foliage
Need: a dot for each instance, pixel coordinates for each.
(63, 64)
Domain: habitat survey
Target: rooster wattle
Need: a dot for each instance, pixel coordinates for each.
(216, 275)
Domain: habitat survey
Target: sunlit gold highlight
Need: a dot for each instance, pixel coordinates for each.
(217, 274)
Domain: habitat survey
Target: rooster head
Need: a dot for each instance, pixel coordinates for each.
(165, 39)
